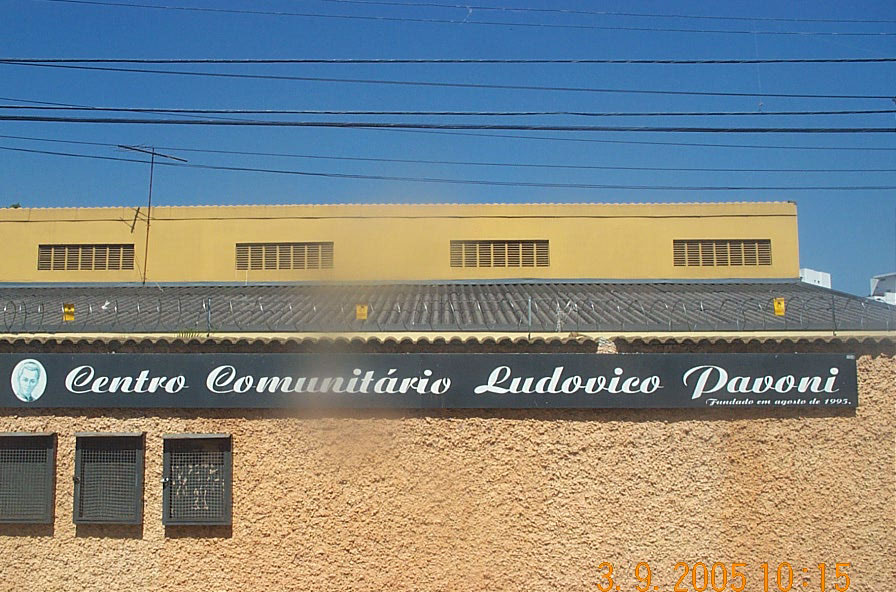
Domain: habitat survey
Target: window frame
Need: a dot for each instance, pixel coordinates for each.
(139, 467)
(170, 440)
(49, 485)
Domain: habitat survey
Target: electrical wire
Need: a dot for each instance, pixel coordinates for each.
(646, 142)
(447, 84)
(457, 162)
(455, 126)
(587, 140)
(602, 12)
(446, 61)
(464, 21)
(75, 106)
(168, 110)
(464, 181)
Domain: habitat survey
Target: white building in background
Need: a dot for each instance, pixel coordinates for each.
(816, 278)
(883, 288)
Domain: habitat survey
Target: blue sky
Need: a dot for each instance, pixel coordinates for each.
(848, 233)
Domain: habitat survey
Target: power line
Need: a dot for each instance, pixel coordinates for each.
(458, 162)
(446, 61)
(89, 106)
(167, 110)
(603, 12)
(466, 21)
(587, 140)
(455, 126)
(447, 84)
(646, 142)
(467, 181)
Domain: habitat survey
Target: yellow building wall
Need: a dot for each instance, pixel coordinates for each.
(401, 242)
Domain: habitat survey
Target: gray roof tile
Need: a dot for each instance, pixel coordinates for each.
(555, 307)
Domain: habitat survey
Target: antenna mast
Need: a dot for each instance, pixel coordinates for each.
(152, 165)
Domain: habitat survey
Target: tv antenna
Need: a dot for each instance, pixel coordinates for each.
(152, 164)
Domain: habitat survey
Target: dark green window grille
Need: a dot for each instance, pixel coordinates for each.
(109, 479)
(27, 470)
(197, 480)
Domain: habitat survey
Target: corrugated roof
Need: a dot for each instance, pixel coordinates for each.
(287, 340)
(450, 308)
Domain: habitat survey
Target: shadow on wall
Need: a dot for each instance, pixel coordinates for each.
(548, 414)
(199, 532)
(27, 530)
(109, 531)
(118, 531)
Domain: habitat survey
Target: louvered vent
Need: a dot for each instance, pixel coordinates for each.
(90, 257)
(721, 252)
(270, 256)
(500, 253)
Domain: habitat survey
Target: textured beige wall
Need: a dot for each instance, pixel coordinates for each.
(492, 500)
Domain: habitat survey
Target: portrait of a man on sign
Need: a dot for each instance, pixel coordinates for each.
(29, 379)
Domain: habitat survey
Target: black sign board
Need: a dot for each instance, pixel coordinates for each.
(427, 381)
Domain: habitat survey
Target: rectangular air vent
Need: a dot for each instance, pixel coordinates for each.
(721, 252)
(500, 253)
(87, 257)
(270, 256)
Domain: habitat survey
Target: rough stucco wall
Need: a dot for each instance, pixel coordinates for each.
(491, 500)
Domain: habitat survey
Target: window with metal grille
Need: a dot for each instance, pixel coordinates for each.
(109, 479)
(500, 253)
(721, 252)
(197, 480)
(268, 256)
(85, 257)
(27, 470)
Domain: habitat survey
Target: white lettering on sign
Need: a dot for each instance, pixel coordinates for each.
(713, 379)
(636, 385)
(501, 381)
(83, 379)
(225, 379)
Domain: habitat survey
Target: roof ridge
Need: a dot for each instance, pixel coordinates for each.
(422, 203)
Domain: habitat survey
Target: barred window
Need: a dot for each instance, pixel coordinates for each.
(197, 479)
(500, 253)
(267, 256)
(721, 252)
(109, 479)
(86, 257)
(27, 471)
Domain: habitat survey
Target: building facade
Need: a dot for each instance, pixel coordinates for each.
(815, 277)
(376, 243)
(194, 477)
